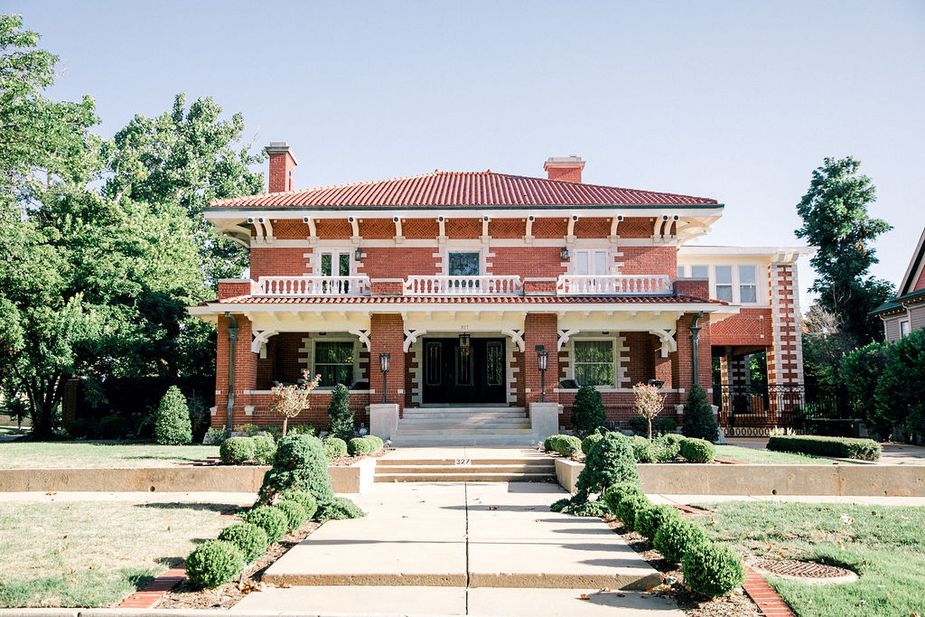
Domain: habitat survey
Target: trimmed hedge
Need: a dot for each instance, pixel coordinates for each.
(264, 449)
(564, 445)
(675, 537)
(295, 513)
(588, 442)
(839, 447)
(588, 412)
(334, 447)
(237, 450)
(249, 538)
(628, 507)
(650, 520)
(697, 450)
(306, 500)
(214, 563)
(271, 519)
(336, 509)
(712, 569)
(616, 493)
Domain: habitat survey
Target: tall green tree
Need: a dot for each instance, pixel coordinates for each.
(836, 221)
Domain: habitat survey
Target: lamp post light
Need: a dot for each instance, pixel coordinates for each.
(542, 361)
(384, 360)
(658, 383)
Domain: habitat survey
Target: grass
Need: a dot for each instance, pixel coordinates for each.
(741, 454)
(11, 430)
(93, 554)
(97, 454)
(885, 545)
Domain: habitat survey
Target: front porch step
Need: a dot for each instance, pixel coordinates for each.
(436, 438)
(464, 477)
(525, 469)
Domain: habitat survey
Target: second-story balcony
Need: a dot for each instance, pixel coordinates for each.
(613, 285)
(446, 285)
(310, 286)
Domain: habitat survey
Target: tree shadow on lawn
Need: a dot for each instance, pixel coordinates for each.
(218, 508)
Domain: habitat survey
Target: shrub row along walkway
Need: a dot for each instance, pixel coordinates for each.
(462, 549)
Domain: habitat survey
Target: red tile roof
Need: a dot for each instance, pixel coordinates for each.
(448, 189)
(471, 300)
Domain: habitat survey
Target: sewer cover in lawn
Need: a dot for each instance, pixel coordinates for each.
(805, 571)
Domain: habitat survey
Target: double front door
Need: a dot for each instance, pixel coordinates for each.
(455, 374)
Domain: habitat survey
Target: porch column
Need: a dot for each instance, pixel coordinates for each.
(245, 371)
(387, 336)
(682, 369)
(540, 329)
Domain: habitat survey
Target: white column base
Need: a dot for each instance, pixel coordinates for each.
(383, 419)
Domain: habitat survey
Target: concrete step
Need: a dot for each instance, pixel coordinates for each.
(504, 476)
(448, 431)
(466, 469)
(462, 426)
(464, 410)
(541, 461)
(437, 438)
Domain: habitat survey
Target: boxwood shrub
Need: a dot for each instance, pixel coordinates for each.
(272, 520)
(306, 500)
(649, 520)
(616, 493)
(628, 507)
(237, 450)
(697, 450)
(375, 442)
(358, 446)
(642, 449)
(249, 538)
(337, 508)
(564, 445)
(295, 513)
(334, 447)
(588, 442)
(712, 569)
(839, 447)
(675, 537)
(264, 449)
(214, 563)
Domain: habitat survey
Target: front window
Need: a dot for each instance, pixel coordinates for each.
(591, 262)
(334, 362)
(594, 363)
(463, 264)
(724, 283)
(904, 329)
(748, 284)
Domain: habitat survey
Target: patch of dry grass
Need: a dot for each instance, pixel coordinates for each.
(97, 454)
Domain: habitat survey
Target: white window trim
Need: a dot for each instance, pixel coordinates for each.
(464, 246)
(316, 258)
(608, 259)
(908, 324)
(761, 292)
(357, 376)
(617, 345)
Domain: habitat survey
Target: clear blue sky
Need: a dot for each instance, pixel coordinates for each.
(733, 100)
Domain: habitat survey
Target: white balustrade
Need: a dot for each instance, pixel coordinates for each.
(613, 285)
(310, 286)
(445, 285)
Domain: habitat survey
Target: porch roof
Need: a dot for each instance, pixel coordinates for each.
(476, 300)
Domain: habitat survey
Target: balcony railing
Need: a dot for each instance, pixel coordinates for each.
(613, 285)
(445, 285)
(309, 286)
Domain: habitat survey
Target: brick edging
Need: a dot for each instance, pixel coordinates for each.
(768, 600)
(155, 590)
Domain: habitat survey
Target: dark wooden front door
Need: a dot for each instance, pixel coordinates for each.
(452, 376)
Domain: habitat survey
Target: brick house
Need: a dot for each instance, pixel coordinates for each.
(906, 312)
(470, 282)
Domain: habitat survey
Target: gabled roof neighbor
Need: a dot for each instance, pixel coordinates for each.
(449, 189)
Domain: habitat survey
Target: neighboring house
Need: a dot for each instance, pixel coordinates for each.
(469, 282)
(906, 312)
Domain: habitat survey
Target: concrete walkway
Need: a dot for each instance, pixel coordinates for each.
(462, 549)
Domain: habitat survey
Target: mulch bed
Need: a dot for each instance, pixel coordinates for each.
(226, 596)
(735, 604)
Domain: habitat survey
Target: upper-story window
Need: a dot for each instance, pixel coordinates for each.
(463, 264)
(724, 283)
(700, 272)
(904, 328)
(590, 262)
(334, 263)
(748, 284)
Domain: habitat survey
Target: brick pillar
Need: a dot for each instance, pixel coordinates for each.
(682, 360)
(540, 329)
(245, 370)
(785, 358)
(387, 336)
(662, 365)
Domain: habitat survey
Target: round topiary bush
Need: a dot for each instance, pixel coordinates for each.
(214, 563)
(675, 537)
(666, 448)
(566, 445)
(697, 450)
(588, 508)
(172, 425)
(295, 513)
(264, 449)
(628, 507)
(272, 520)
(308, 503)
(300, 463)
(334, 447)
(249, 538)
(237, 450)
(649, 520)
(359, 446)
(588, 442)
(613, 495)
(610, 461)
(375, 442)
(711, 569)
(643, 449)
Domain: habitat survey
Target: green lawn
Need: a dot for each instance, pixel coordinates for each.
(93, 554)
(884, 545)
(11, 430)
(753, 455)
(97, 454)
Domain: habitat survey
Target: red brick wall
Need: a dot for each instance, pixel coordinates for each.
(228, 289)
(378, 229)
(565, 174)
(282, 361)
(752, 326)
(333, 229)
(387, 336)
(636, 227)
(316, 415)
(540, 329)
(649, 260)
(245, 368)
(533, 261)
(682, 364)
(279, 261)
(595, 227)
(289, 229)
(282, 168)
(508, 228)
(398, 262)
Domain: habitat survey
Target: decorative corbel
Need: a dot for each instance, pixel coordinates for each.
(268, 228)
(485, 236)
(659, 221)
(570, 235)
(410, 337)
(441, 235)
(258, 226)
(312, 230)
(564, 336)
(528, 237)
(399, 238)
(355, 227)
(259, 344)
(363, 335)
(517, 337)
(669, 344)
(614, 224)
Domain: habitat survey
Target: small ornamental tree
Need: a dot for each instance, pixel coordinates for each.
(587, 412)
(289, 401)
(698, 416)
(172, 426)
(341, 424)
(609, 461)
(649, 403)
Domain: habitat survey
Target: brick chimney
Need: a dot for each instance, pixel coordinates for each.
(564, 168)
(282, 166)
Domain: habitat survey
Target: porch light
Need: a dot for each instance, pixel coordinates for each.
(658, 383)
(542, 361)
(384, 360)
(563, 254)
(358, 254)
(464, 340)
